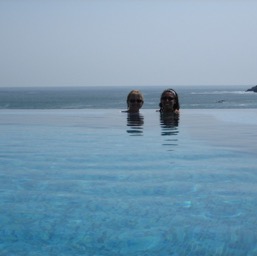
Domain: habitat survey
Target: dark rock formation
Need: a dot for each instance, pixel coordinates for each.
(253, 89)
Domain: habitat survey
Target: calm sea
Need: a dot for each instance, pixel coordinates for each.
(191, 97)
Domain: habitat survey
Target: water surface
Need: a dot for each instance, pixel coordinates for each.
(100, 182)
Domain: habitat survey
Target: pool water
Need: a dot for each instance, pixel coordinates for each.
(102, 182)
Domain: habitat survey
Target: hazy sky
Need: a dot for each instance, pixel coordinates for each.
(128, 42)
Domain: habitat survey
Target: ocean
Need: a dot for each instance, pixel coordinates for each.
(110, 97)
(80, 177)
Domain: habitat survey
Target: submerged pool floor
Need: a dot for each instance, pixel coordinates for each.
(101, 182)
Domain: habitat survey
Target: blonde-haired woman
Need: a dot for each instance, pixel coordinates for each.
(135, 101)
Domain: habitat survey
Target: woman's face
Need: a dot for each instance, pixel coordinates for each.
(168, 101)
(135, 102)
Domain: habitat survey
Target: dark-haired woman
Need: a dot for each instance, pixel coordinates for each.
(169, 102)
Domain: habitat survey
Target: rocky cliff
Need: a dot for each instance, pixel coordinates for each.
(253, 89)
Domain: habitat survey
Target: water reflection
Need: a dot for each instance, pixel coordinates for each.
(169, 124)
(135, 122)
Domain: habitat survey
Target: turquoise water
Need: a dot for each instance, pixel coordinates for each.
(99, 182)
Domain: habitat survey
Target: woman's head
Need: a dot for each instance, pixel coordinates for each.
(169, 101)
(135, 101)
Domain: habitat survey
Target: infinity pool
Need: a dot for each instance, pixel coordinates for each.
(101, 182)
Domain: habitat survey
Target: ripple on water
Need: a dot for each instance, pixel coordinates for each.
(223, 210)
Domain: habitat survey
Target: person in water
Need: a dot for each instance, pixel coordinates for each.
(169, 102)
(135, 101)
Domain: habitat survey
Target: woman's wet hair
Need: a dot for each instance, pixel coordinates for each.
(176, 105)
